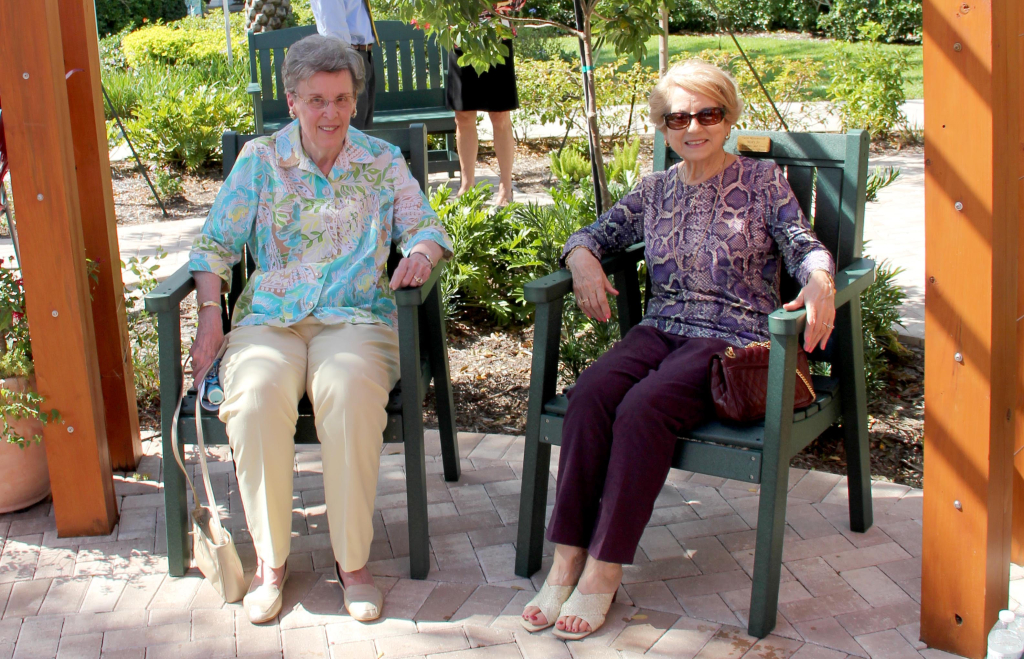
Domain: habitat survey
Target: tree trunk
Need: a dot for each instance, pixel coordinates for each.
(663, 42)
(590, 100)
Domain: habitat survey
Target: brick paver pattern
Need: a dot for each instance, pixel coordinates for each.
(687, 595)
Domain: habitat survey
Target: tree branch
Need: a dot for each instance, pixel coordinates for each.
(539, 22)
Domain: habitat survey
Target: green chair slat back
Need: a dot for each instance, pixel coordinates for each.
(410, 71)
(424, 358)
(828, 174)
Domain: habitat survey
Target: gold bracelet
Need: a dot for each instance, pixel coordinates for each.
(209, 303)
(831, 281)
(430, 262)
(572, 251)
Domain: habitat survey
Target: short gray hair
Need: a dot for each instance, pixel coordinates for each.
(317, 53)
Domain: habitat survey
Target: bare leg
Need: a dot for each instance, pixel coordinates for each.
(565, 571)
(269, 575)
(356, 577)
(505, 150)
(466, 141)
(598, 577)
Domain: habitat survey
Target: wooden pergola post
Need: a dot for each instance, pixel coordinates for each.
(1018, 449)
(96, 197)
(972, 138)
(37, 122)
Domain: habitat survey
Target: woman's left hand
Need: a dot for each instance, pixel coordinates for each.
(411, 272)
(820, 299)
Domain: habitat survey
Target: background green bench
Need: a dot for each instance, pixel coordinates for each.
(423, 350)
(828, 173)
(411, 73)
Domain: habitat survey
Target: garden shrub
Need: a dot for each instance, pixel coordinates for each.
(900, 20)
(879, 179)
(570, 166)
(116, 15)
(880, 312)
(866, 85)
(491, 258)
(550, 92)
(111, 54)
(142, 332)
(180, 45)
(790, 82)
(185, 128)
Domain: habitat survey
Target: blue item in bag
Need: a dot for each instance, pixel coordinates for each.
(211, 391)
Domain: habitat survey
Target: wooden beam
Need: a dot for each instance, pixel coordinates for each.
(96, 199)
(1018, 446)
(38, 129)
(972, 132)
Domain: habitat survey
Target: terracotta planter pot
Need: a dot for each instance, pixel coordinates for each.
(24, 477)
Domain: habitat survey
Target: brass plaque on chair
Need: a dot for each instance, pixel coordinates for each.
(754, 144)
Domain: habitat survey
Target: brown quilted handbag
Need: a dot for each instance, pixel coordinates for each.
(739, 382)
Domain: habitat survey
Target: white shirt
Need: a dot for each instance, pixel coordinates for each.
(349, 20)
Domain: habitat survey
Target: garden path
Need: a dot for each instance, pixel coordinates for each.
(843, 593)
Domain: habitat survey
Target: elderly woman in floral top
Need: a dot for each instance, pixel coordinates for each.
(319, 205)
(716, 229)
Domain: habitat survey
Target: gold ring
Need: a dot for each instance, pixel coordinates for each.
(418, 280)
(583, 300)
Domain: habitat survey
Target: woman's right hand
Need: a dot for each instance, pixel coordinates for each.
(590, 284)
(209, 337)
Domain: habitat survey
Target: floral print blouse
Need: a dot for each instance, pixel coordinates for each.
(712, 249)
(321, 243)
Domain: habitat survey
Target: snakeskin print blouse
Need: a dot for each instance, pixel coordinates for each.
(712, 249)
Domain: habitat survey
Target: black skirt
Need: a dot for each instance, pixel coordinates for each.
(492, 91)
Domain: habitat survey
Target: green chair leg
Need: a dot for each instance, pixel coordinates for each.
(537, 455)
(437, 346)
(771, 512)
(176, 511)
(850, 367)
(412, 429)
(533, 501)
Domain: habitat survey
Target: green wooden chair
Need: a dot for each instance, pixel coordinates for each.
(828, 173)
(411, 73)
(424, 357)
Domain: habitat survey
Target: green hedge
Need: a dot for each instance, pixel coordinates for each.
(900, 19)
(115, 15)
(180, 45)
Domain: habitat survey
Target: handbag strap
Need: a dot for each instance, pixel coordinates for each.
(211, 499)
(174, 437)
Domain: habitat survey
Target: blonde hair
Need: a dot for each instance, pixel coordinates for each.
(697, 77)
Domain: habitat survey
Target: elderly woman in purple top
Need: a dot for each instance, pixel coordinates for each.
(717, 229)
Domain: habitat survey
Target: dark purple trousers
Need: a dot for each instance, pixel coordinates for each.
(619, 435)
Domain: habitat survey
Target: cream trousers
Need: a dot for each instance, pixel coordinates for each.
(348, 371)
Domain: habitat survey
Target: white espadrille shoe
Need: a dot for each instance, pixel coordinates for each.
(549, 600)
(590, 608)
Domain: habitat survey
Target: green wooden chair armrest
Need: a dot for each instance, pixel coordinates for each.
(415, 296)
(850, 283)
(254, 89)
(557, 284)
(167, 296)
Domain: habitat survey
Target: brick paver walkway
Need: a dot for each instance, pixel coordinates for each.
(687, 595)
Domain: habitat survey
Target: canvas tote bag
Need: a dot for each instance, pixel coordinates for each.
(212, 547)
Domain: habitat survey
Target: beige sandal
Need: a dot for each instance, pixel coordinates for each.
(549, 600)
(591, 608)
(363, 602)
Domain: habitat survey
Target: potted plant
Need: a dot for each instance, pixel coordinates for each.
(24, 478)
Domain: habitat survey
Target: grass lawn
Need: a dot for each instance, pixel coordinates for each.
(816, 49)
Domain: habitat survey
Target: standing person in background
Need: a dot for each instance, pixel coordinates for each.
(352, 22)
(494, 92)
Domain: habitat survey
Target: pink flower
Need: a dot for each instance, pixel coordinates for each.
(18, 316)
